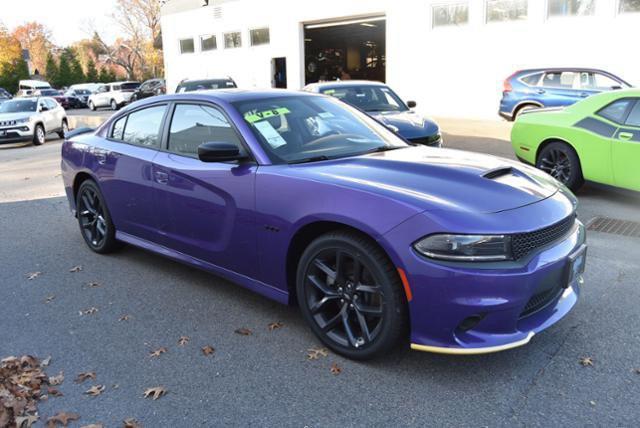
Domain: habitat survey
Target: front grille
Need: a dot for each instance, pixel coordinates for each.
(7, 122)
(433, 140)
(540, 300)
(525, 243)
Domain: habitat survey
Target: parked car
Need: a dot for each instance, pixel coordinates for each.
(205, 84)
(31, 119)
(79, 98)
(26, 88)
(57, 95)
(380, 102)
(300, 197)
(556, 87)
(149, 88)
(4, 95)
(91, 87)
(113, 95)
(597, 139)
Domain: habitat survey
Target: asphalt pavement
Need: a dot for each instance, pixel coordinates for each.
(145, 302)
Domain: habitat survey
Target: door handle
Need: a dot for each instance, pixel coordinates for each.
(101, 157)
(541, 91)
(625, 135)
(161, 177)
(584, 95)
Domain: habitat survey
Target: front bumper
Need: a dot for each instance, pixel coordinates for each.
(496, 297)
(16, 134)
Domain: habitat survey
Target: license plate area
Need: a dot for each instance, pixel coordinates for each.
(576, 263)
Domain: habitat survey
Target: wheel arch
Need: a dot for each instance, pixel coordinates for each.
(80, 178)
(550, 140)
(523, 104)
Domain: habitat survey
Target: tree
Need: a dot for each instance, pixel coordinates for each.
(77, 74)
(51, 69)
(64, 72)
(37, 39)
(91, 74)
(12, 67)
(104, 76)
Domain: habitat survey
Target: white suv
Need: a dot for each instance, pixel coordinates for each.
(31, 119)
(113, 95)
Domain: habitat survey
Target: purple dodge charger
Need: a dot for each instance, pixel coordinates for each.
(302, 198)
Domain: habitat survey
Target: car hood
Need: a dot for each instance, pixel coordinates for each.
(409, 123)
(438, 179)
(15, 116)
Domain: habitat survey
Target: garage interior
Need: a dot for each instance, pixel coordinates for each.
(353, 49)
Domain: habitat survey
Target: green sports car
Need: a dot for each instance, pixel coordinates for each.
(596, 139)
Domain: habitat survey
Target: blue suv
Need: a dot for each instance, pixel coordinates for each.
(553, 87)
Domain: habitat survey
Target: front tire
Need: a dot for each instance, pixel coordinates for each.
(92, 106)
(39, 135)
(351, 296)
(561, 162)
(64, 130)
(114, 105)
(94, 219)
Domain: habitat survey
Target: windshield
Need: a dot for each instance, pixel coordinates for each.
(309, 128)
(79, 92)
(48, 92)
(16, 106)
(368, 98)
(203, 85)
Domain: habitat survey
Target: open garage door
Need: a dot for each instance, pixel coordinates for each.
(348, 49)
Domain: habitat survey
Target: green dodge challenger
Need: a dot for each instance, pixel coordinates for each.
(597, 139)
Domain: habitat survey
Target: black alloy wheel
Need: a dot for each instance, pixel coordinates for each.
(351, 296)
(94, 219)
(562, 163)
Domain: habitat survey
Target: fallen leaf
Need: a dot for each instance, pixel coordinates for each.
(636, 371)
(46, 361)
(27, 178)
(586, 361)
(183, 340)
(335, 369)
(95, 390)
(315, 353)
(158, 352)
(93, 284)
(33, 275)
(54, 392)
(131, 423)
(56, 380)
(62, 418)
(84, 376)
(275, 326)
(244, 332)
(49, 299)
(155, 392)
(593, 403)
(93, 426)
(75, 269)
(90, 311)
(208, 350)
(26, 421)
(124, 318)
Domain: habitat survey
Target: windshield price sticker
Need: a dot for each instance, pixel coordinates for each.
(262, 115)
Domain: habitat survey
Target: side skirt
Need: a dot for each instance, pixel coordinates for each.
(256, 286)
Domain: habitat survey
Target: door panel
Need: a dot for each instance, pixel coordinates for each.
(626, 158)
(559, 89)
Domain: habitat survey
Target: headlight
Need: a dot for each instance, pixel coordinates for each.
(465, 247)
(23, 120)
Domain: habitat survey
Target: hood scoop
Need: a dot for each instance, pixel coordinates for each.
(498, 172)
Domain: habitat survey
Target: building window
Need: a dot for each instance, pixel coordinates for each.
(450, 14)
(187, 46)
(259, 36)
(571, 7)
(208, 43)
(232, 40)
(629, 6)
(506, 10)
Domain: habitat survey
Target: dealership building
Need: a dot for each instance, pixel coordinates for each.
(450, 56)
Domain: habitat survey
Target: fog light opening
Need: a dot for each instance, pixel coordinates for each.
(470, 322)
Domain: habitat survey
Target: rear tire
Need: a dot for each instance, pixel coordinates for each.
(94, 219)
(114, 105)
(92, 106)
(524, 108)
(39, 135)
(561, 161)
(351, 296)
(64, 129)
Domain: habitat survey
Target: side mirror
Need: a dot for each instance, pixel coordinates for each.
(616, 87)
(44, 108)
(219, 151)
(411, 104)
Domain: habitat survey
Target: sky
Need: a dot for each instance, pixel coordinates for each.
(68, 20)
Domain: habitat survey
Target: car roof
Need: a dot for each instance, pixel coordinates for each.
(208, 79)
(230, 95)
(340, 83)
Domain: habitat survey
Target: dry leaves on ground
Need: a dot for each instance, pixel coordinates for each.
(49, 299)
(124, 318)
(155, 392)
(636, 371)
(335, 369)
(93, 284)
(90, 311)
(275, 326)
(75, 269)
(244, 332)
(33, 275)
(131, 423)
(183, 340)
(62, 418)
(54, 392)
(586, 361)
(93, 426)
(85, 376)
(158, 352)
(21, 383)
(56, 380)
(315, 353)
(95, 390)
(208, 350)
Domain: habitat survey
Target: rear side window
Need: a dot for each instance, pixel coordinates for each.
(532, 79)
(634, 116)
(117, 132)
(562, 79)
(194, 124)
(143, 127)
(616, 111)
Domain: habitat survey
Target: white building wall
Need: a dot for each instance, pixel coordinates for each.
(450, 71)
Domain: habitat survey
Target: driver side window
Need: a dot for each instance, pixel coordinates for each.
(195, 124)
